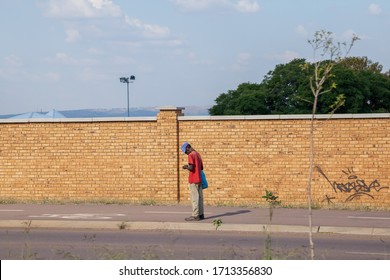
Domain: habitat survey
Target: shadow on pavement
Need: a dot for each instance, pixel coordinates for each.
(228, 214)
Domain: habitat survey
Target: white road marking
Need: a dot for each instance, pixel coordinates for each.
(80, 216)
(168, 212)
(367, 253)
(165, 212)
(371, 218)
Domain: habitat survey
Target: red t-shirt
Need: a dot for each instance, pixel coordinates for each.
(194, 159)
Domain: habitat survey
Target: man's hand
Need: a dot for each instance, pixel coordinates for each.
(189, 167)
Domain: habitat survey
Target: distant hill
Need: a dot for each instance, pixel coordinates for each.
(121, 112)
(109, 113)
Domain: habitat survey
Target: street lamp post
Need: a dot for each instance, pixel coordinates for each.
(127, 80)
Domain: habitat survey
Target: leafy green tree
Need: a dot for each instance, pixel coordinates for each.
(320, 85)
(286, 90)
(361, 64)
(247, 99)
(366, 89)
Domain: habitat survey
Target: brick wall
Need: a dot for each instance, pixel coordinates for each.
(245, 156)
(81, 160)
(139, 160)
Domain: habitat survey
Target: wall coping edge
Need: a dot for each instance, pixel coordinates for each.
(80, 120)
(284, 117)
(199, 118)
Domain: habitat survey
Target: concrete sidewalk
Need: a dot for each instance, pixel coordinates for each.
(240, 219)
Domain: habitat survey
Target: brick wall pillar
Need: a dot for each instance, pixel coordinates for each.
(168, 143)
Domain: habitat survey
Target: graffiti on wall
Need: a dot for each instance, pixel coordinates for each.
(354, 186)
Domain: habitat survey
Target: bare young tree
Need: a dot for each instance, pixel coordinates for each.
(331, 53)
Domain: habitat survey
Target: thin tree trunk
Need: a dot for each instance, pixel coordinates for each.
(310, 177)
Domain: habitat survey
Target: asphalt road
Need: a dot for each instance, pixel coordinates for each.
(32, 231)
(172, 217)
(55, 244)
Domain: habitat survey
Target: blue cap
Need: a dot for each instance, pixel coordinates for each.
(184, 147)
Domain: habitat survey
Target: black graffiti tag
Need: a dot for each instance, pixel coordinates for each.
(355, 185)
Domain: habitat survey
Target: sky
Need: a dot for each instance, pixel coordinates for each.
(70, 54)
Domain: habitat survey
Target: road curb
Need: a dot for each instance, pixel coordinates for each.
(121, 225)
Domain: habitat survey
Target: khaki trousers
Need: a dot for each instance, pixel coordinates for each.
(196, 196)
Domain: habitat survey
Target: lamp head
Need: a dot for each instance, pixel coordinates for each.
(124, 80)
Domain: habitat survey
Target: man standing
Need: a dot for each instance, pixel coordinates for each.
(194, 166)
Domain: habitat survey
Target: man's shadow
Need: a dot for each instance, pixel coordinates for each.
(228, 214)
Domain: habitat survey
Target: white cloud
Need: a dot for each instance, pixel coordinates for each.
(13, 61)
(348, 34)
(82, 9)
(242, 61)
(95, 51)
(195, 60)
(15, 70)
(197, 5)
(148, 30)
(72, 10)
(122, 60)
(243, 6)
(286, 56)
(301, 30)
(72, 35)
(374, 9)
(247, 6)
(12, 66)
(64, 59)
(90, 74)
(54, 77)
